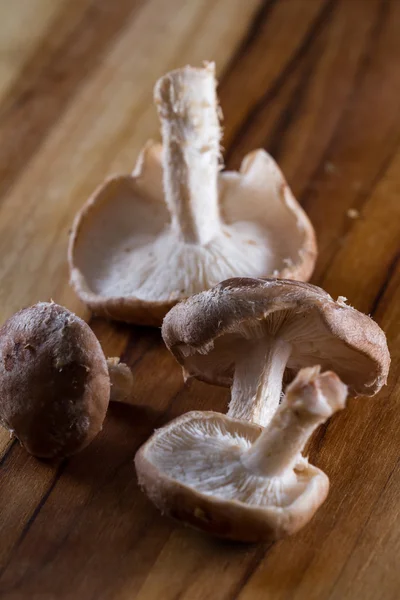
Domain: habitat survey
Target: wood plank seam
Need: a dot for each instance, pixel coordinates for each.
(363, 528)
(290, 67)
(158, 422)
(18, 117)
(7, 452)
(360, 202)
(389, 274)
(259, 556)
(259, 19)
(60, 470)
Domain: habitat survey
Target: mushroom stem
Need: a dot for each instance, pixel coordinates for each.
(121, 380)
(188, 110)
(257, 382)
(310, 400)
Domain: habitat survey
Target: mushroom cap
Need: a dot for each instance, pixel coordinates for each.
(127, 264)
(54, 381)
(208, 332)
(192, 471)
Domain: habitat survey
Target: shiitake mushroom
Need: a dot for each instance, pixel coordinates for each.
(54, 380)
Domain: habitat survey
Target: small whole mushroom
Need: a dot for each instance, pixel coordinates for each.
(55, 382)
(235, 480)
(179, 224)
(248, 334)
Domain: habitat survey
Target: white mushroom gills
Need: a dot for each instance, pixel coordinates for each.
(237, 480)
(188, 109)
(310, 400)
(257, 382)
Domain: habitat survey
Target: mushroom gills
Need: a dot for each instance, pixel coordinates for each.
(237, 473)
(207, 455)
(161, 267)
(178, 225)
(255, 356)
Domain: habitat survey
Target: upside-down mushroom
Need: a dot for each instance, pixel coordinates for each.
(178, 225)
(233, 479)
(246, 333)
(55, 383)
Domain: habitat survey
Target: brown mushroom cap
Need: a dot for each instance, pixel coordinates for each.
(235, 480)
(129, 255)
(209, 332)
(54, 381)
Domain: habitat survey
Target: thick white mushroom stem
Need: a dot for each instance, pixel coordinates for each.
(310, 400)
(188, 110)
(121, 380)
(257, 382)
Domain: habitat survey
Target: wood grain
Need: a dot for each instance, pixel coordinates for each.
(316, 82)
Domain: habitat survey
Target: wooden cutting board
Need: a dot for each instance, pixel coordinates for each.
(315, 82)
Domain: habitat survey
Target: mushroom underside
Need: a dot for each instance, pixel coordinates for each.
(204, 453)
(125, 245)
(247, 344)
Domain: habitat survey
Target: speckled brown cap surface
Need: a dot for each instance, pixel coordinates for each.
(54, 382)
(207, 331)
